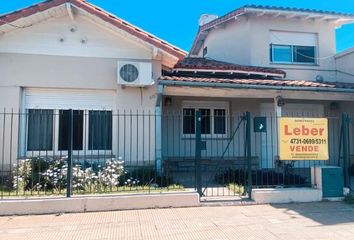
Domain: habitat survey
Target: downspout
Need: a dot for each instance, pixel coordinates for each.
(158, 131)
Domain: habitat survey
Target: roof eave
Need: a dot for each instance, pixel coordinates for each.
(40, 8)
(306, 15)
(339, 20)
(252, 86)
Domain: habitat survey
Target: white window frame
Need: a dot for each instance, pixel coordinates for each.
(292, 62)
(196, 105)
(55, 146)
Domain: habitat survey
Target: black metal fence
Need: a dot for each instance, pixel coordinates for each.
(47, 152)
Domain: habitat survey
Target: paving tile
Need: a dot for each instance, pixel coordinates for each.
(283, 221)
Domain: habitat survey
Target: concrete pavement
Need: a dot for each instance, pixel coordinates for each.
(326, 220)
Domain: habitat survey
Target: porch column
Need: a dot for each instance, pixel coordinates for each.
(278, 103)
(278, 106)
(158, 128)
(22, 125)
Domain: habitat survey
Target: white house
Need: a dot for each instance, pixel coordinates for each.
(269, 61)
(69, 54)
(136, 96)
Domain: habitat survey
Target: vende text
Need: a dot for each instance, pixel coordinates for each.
(304, 149)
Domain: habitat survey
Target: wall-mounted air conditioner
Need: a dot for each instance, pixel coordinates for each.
(134, 74)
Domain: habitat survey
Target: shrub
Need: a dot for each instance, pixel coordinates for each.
(27, 175)
(51, 175)
(349, 198)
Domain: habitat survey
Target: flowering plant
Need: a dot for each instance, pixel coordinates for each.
(54, 176)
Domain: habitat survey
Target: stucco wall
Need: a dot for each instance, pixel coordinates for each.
(230, 43)
(57, 73)
(34, 58)
(246, 41)
(345, 67)
(9, 119)
(41, 71)
(176, 145)
(264, 145)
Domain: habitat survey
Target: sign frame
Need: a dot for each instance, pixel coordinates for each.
(303, 139)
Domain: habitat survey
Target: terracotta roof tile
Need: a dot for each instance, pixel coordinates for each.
(119, 23)
(210, 64)
(262, 82)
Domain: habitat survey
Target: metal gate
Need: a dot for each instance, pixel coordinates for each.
(257, 164)
(225, 173)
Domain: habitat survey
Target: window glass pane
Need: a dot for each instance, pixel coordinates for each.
(40, 130)
(188, 121)
(304, 54)
(281, 53)
(205, 123)
(78, 125)
(219, 121)
(100, 130)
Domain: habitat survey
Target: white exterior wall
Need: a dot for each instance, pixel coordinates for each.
(34, 60)
(326, 47)
(247, 41)
(176, 145)
(230, 43)
(264, 145)
(345, 67)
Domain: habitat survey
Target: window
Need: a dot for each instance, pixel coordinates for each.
(100, 130)
(304, 54)
(205, 123)
(292, 54)
(213, 118)
(78, 126)
(188, 121)
(40, 130)
(219, 121)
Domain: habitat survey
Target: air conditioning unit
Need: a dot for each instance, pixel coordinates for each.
(134, 74)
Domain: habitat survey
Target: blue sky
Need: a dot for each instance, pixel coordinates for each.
(177, 21)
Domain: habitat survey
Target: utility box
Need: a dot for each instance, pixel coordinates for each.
(329, 179)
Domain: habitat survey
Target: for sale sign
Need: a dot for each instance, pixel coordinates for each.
(303, 138)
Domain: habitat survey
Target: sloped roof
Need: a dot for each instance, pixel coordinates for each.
(245, 81)
(107, 17)
(197, 63)
(276, 11)
(235, 82)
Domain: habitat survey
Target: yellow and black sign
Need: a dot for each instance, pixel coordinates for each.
(303, 138)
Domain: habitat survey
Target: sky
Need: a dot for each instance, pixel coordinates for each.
(177, 21)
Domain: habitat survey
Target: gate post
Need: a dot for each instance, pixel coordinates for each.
(248, 152)
(198, 151)
(346, 150)
(70, 151)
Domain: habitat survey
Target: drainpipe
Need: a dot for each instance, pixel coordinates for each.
(158, 129)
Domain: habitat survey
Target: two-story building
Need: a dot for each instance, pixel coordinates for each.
(136, 96)
(269, 61)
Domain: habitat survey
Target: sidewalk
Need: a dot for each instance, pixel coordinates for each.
(289, 221)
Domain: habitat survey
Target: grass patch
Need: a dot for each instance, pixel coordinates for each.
(349, 198)
(236, 188)
(114, 190)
